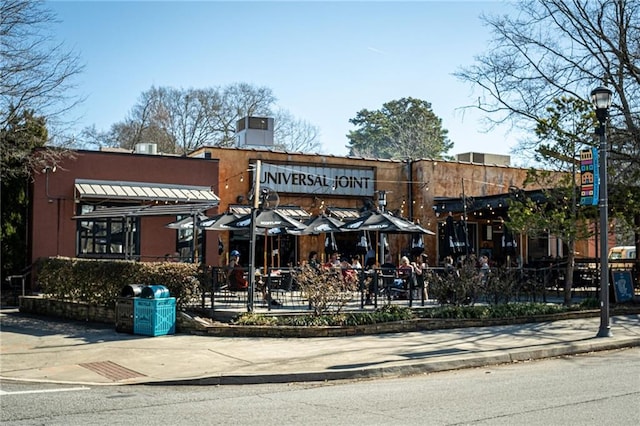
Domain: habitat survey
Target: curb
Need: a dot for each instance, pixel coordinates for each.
(411, 369)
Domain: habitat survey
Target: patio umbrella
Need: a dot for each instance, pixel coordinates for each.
(322, 224)
(456, 238)
(186, 223)
(270, 222)
(384, 223)
(509, 243)
(219, 222)
(330, 245)
(268, 219)
(417, 244)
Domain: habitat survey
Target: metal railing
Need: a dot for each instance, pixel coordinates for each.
(18, 290)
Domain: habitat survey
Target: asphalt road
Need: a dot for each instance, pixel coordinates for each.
(592, 389)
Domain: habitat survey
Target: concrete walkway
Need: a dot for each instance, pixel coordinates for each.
(44, 349)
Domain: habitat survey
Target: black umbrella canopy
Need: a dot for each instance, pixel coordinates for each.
(509, 243)
(268, 219)
(455, 237)
(322, 224)
(186, 223)
(384, 222)
(219, 222)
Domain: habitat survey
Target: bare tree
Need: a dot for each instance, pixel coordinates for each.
(562, 49)
(294, 134)
(35, 72)
(235, 102)
(181, 120)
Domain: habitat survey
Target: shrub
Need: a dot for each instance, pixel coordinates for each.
(462, 287)
(387, 313)
(509, 310)
(590, 303)
(255, 319)
(100, 282)
(327, 289)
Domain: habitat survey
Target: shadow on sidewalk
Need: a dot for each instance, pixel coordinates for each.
(13, 321)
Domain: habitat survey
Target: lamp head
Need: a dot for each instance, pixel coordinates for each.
(601, 100)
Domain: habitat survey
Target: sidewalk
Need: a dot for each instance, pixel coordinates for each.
(45, 349)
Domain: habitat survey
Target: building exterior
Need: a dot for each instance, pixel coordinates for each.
(99, 204)
(95, 182)
(345, 186)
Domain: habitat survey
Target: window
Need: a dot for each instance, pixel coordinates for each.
(107, 237)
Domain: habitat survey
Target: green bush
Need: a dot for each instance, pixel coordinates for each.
(387, 313)
(100, 282)
(590, 303)
(462, 287)
(509, 310)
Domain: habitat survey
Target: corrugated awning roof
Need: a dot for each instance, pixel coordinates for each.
(343, 213)
(297, 213)
(147, 210)
(144, 191)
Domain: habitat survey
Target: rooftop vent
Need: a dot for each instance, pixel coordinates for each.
(146, 148)
(256, 131)
(483, 158)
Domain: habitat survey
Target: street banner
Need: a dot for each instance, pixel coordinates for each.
(589, 177)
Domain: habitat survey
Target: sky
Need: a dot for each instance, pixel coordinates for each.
(323, 60)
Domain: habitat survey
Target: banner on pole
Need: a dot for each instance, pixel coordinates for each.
(589, 177)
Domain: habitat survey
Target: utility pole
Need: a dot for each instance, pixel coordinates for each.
(252, 245)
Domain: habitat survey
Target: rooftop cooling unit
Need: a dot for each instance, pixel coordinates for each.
(254, 131)
(146, 148)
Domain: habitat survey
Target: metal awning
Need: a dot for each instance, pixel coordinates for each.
(343, 213)
(488, 202)
(294, 212)
(147, 210)
(143, 191)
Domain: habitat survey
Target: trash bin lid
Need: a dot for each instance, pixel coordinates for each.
(132, 290)
(154, 291)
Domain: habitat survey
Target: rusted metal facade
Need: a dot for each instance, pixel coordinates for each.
(412, 189)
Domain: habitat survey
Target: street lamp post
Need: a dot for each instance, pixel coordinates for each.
(601, 100)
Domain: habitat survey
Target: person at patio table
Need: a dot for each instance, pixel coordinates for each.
(235, 272)
(333, 261)
(313, 260)
(449, 268)
(348, 273)
(485, 270)
(406, 269)
(420, 268)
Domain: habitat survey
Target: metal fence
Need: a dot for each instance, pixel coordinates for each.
(277, 289)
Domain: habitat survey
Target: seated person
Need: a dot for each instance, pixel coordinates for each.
(313, 260)
(333, 261)
(406, 277)
(235, 273)
(406, 268)
(348, 273)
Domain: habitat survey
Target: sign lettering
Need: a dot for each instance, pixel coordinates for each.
(302, 179)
